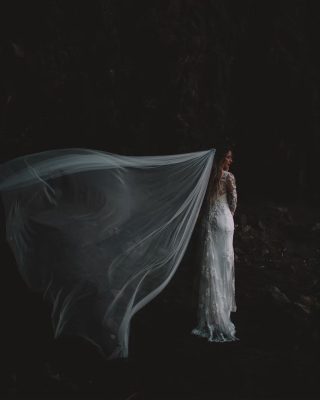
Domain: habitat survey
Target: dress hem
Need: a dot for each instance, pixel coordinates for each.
(219, 337)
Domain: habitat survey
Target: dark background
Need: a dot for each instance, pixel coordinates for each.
(155, 77)
(169, 76)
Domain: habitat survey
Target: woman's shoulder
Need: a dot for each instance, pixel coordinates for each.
(228, 174)
(229, 178)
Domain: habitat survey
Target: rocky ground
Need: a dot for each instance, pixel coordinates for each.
(278, 323)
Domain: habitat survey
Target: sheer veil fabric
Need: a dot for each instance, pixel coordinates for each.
(99, 234)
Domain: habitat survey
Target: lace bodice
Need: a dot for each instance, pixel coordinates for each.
(228, 187)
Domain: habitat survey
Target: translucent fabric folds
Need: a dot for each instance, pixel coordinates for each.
(99, 234)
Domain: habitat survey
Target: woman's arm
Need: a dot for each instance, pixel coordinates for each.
(231, 192)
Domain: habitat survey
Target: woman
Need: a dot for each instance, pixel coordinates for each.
(217, 283)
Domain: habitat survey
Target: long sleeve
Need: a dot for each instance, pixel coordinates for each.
(231, 192)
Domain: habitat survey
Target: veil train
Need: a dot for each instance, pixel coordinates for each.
(100, 234)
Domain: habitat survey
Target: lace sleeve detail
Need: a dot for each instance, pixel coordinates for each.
(231, 192)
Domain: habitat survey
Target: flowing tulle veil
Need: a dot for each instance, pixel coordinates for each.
(99, 234)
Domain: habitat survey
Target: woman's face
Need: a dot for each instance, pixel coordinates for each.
(227, 161)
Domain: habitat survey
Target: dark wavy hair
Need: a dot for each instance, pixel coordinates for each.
(216, 173)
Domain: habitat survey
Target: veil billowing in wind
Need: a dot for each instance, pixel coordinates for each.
(99, 234)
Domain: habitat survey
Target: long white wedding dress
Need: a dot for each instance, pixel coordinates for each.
(217, 278)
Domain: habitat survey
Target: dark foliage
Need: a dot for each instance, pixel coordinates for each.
(141, 77)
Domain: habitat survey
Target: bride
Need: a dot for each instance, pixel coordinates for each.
(100, 235)
(217, 281)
